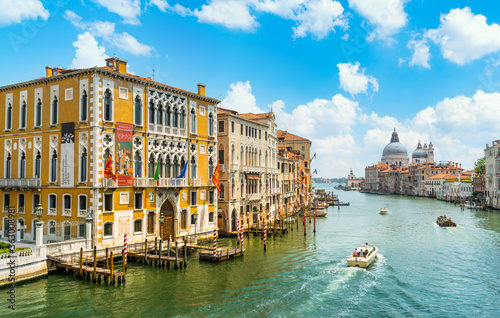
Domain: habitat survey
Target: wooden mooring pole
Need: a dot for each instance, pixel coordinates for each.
(95, 265)
(112, 276)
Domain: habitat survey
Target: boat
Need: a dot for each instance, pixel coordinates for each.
(445, 222)
(383, 211)
(321, 206)
(365, 260)
(319, 213)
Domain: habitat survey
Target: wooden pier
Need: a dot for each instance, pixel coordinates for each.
(153, 253)
(223, 253)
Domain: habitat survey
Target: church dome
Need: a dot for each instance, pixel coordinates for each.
(419, 153)
(394, 147)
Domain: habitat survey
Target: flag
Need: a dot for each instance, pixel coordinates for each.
(315, 171)
(108, 169)
(157, 174)
(313, 157)
(183, 172)
(215, 178)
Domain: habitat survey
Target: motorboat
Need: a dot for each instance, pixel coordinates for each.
(319, 213)
(383, 211)
(445, 222)
(363, 256)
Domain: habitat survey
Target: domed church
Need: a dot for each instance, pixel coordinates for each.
(395, 152)
(421, 155)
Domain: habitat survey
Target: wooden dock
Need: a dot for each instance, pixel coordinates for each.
(153, 253)
(223, 253)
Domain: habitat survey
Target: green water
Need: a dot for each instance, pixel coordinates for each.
(422, 270)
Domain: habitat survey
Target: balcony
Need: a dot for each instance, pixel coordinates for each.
(140, 182)
(21, 183)
(255, 169)
(254, 196)
(66, 212)
(235, 167)
(52, 211)
(108, 183)
(82, 213)
(195, 182)
(172, 182)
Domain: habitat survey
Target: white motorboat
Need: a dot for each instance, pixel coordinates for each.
(384, 211)
(362, 256)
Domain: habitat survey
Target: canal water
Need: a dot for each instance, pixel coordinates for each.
(422, 270)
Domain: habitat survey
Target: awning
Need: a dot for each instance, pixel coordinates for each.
(253, 176)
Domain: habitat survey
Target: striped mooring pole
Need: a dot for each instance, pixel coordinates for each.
(265, 235)
(241, 238)
(125, 247)
(238, 231)
(215, 242)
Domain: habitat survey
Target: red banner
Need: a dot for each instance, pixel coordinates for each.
(123, 153)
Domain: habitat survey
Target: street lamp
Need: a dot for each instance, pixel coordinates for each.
(162, 219)
(39, 211)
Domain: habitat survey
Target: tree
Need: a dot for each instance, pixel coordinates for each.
(479, 165)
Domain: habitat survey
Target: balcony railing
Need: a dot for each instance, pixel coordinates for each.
(52, 211)
(108, 183)
(254, 196)
(256, 169)
(235, 167)
(195, 182)
(82, 213)
(20, 209)
(66, 212)
(172, 182)
(140, 182)
(22, 183)
(222, 168)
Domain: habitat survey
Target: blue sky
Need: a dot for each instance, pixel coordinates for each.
(341, 73)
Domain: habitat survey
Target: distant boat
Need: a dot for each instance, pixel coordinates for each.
(369, 253)
(383, 211)
(445, 222)
(319, 213)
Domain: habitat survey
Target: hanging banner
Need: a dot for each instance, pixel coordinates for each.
(123, 155)
(67, 154)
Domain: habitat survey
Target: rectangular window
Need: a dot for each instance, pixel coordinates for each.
(52, 204)
(193, 198)
(232, 127)
(221, 126)
(221, 157)
(241, 132)
(138, 201)
(184, 216)
(108, 229)
(211, 197)
(82, 205)
(260, 134)
(81, 229)
(265, 135)
(6, 202)
(20, 203)
(138, 226)
(151, 222)
(108, 202)
(211, 217)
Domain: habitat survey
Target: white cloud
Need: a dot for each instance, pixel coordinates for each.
(129, 10)
(15, 11)
(421, 54)
(241, 99)
(387, 16)
(464, 37)
(128, 43)
(88, 52)
(161, 4)
(353, 80)
(229, 13)
(106, 30)
(344, 137)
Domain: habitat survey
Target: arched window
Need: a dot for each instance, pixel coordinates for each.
(22, 123)
(8, 166)
(82, 230)
(175, 173)
(221, 194)
(159, 114)
(83, 110)
(174, 118)
(182, 119)
(22, 165)
(193, 167)
(211, 217)
(161, 165)
(193, 120)
(138, 225)
(108, 114)
(167, 116)
(210, 168)
(83, 165)
(52, 227)
(210, 124)
(151, 112)
(53, 167)
(168, 167)
(138, 110)
(8, 117)
(151, 166)
(108, 229)
(138, 165)
(52, 204)
(53, 110)
(38, 113)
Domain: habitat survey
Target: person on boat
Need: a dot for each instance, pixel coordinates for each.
(361, 253)
(445, 216)
(355, 253)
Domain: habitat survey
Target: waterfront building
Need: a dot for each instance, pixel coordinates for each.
(372, 177)
(61, 131)
(303, 147)
(248, 168)
(288, 166)
(434, 185)
(352, 182)
(492, 174)
(395, 152)
(478, 187)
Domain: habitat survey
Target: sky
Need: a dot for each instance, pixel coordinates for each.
(343, 74)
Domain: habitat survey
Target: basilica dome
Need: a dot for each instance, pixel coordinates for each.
(419, 153)
(394, 147)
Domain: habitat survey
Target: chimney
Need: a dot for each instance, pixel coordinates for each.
(117, 64)
(201, 89)
(48, 71)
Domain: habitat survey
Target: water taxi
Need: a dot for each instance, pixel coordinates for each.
(319, 213)
(445, 222)
(383, 211)
(362, 256)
